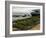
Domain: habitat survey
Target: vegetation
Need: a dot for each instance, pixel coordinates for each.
(26, 24)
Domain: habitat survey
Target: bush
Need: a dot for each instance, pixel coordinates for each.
(26, 24)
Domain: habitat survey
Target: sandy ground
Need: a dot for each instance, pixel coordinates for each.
(37, 27)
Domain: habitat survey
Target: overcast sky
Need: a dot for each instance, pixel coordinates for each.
(21, 10)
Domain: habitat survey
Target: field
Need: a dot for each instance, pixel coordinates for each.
(25, 24)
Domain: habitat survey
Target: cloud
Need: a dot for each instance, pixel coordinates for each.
(22, 10)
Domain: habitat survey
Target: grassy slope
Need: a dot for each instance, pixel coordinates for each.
(26, 24)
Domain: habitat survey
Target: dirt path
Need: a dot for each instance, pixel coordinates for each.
(37, 27)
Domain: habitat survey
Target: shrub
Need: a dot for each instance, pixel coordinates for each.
(25, 24)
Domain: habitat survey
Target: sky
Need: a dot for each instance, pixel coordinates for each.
(23, 10)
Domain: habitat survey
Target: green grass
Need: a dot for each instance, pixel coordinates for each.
(26, 24)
